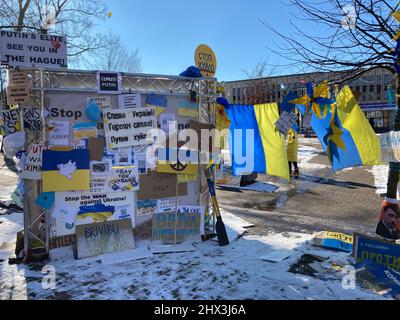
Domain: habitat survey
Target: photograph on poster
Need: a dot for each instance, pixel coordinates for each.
(100, 167)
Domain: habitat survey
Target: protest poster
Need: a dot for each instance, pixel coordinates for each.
(78, 199)
(61, 242)
(18, 87)
(65, 170)
(33, 118)
(154, 185)
(124, 179)
(22, 49)
(18, 78)
(102, 102)
(168, 123)
(107, 237)
(33, 164)
(205, 60)
(146, 207)
(286, 122)
(10, 121)
(382, 252)
(172, 227)
(109, 82)
(334, 240)
(130, 101)
(58, 133)
(130, 127)
(390, 147)
(18, 95)
(166, 205)
(71, 108)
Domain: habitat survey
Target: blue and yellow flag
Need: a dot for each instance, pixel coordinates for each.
(66, 170)
(188, 109)
(346, 135)
(264, 143)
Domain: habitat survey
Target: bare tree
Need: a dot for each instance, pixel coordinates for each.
(259, 89)
(336, 35)
(74, 18)
(115, 56)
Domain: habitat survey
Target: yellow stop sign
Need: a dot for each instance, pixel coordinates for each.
(205, 60)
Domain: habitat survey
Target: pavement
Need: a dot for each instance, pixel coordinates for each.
(319, 200)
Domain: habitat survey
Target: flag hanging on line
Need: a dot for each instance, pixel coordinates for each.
(346, 135)
(265, 145)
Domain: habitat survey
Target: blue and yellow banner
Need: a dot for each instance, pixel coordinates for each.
(346, 135)
(265, 145)
(66, 170)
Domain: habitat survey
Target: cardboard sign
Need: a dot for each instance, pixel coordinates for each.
(109, 83)
(334, 240)
(64, 171)
(127, 128)
(154, 185)
(381, 252)
(18, 78)
(205, 60)
(390, 147)
(107, 237)
(172, 228)
(18, 87)
(10, 121)
(18, 95)
(96, 148)
(21, 49)
(286, 122)
(130, 101)
(33, 164)
(61, 242)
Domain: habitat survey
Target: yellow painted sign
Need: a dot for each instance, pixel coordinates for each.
(205, 60)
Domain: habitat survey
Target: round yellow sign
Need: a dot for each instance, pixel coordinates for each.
(205, 60)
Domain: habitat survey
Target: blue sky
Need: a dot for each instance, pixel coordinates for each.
(167, 32)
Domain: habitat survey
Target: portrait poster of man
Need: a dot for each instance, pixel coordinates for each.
(389, 221)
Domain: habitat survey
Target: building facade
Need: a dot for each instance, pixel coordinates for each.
(375, 92)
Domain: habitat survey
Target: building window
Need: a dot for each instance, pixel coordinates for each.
(234, 94)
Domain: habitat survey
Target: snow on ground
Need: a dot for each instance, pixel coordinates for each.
(209, 272)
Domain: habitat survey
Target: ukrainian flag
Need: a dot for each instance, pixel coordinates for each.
(66, 170)
(269, 145)
(188, 109)
(346, 135)
(159, 102)
(171, 161)
(96, 213)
